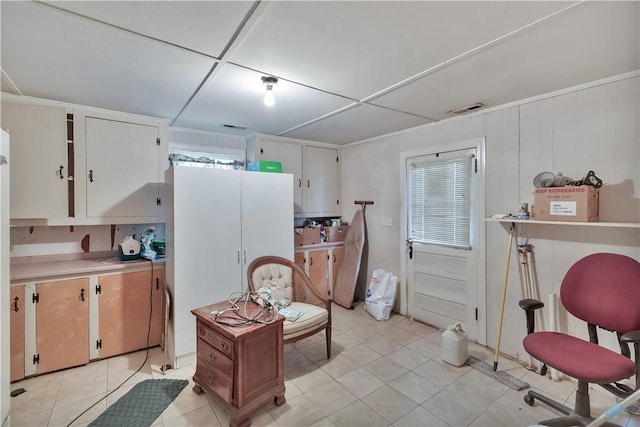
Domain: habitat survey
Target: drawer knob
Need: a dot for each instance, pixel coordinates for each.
(211, 378)
(212, 357)
(224, 345)
(201, 332)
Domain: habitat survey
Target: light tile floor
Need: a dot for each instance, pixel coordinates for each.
(385, 373)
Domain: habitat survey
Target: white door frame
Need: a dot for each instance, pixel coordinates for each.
(478, 224)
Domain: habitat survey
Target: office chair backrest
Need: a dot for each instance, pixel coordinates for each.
(604, 289)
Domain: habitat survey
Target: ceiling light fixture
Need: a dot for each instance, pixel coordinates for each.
(269, 81)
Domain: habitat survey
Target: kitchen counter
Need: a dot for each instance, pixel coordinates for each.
(24, 269)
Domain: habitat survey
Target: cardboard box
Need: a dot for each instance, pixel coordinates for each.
(306, 236)
(265, 166)
(577, 204)
(337, 233)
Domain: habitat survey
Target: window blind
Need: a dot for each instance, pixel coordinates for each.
(440, 191)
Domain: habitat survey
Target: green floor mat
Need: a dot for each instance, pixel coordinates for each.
(142, 405)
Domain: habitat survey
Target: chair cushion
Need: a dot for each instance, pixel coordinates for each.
(312, 317)
(578, 358)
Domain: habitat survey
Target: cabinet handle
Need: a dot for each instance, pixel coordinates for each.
(60, 172)
(224, 345)
(238, 256)
(201, 332)
(310, 260)
(15, 304)
(157, 283)
(299, 183)
(82, 294)
(90, 175)
(308, 183)
(212, 357)
(334, 257)
(211, 379)
(245, 255)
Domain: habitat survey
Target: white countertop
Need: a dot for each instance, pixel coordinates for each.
(25, 269)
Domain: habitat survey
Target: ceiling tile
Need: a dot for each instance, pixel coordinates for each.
(361, 122)
(74, 60)
(203, 26)
(597, 40)
(234, 96)
(358, 48)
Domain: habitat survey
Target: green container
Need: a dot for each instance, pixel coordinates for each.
(159, 247)
(265, 166)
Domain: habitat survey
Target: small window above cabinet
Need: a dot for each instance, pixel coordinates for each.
(315, 170)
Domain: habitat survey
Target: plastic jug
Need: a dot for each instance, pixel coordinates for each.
(454, 345)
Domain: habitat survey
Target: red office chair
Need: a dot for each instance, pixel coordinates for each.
(603, 290)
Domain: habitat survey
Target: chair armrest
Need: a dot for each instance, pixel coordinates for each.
(631, 337)
(530, 305)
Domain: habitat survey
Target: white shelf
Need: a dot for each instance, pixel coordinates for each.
(588, 224)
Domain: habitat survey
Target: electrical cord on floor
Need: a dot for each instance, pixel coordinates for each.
(146, 356)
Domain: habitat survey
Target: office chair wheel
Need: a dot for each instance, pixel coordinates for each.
(529, 400)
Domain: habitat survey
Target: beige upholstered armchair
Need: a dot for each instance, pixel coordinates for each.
(314, 303)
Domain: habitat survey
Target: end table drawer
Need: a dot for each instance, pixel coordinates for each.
(217, 341)
(213, 359)
(216, 382)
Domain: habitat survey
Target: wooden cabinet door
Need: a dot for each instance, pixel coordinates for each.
(16, 320)
(336, 262)
(38, 151)
(300, 258)
(62, 324)
(321, 181)
(124, 306)
(120, 185)
(319, 270)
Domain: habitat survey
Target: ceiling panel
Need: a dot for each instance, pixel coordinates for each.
(597, 40)
(235, 96)
(203, 26)
(359, 48)
(361, 122)
(65, 58)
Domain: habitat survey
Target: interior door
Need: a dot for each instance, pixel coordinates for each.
(445, 282)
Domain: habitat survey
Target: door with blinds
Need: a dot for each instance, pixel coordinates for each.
(444, 204)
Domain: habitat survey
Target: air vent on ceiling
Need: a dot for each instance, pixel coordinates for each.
(468, 109)
(225, 125)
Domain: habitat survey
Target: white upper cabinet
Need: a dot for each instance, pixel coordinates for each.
(40, 169)
(321, 181)
(76, 166)
(315, 170)
(122, 169)
(290, 155)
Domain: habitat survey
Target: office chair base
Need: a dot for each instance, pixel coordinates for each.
(579, 416)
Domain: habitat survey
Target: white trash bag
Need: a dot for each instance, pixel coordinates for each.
(381, 294)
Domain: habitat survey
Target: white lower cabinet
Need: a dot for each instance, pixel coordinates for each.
(218, 221)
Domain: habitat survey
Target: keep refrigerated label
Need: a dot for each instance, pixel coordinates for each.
(563, 208)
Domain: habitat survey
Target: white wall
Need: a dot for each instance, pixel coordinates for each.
(594, 127)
